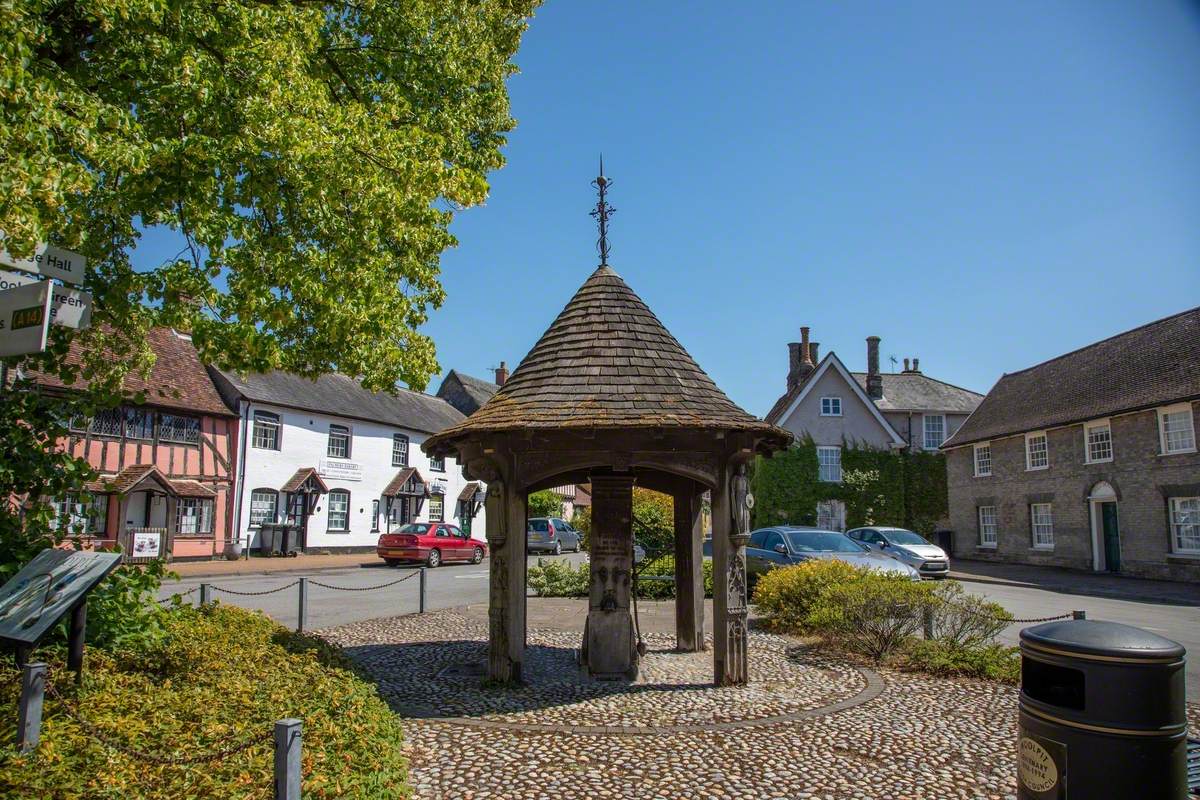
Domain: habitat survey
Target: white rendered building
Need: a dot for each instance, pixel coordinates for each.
(340, 463)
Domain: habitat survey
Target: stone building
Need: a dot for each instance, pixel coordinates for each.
(466, 392)
(1088, 460)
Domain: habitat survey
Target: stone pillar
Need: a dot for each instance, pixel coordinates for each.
(609, 645)
(729, 589)
(689, 570)
(506, 585)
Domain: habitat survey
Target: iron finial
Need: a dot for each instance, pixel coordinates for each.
(602, 212)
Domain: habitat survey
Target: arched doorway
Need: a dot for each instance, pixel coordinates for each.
(1106, 532)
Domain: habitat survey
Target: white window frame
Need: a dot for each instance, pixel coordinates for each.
(329, 511)
(1177, 523)
(1029, 437)
(374, 516)
(437, 463)
(831, 467)
(256, 520)
(987, 526)
(269, 421)
(834, 404)
(979, 473)
(925, 419)
(440, 501)
(336, 433)
(1178, 408)
(400, 439)
(1096, 425)
(1041, 530)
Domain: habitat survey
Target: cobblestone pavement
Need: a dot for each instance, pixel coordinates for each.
(921, 738)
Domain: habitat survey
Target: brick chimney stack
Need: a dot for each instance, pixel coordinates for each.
(793, 374)
(813, 347)
(501, 374)
(874, 379)
(916, 365)
(800, 360)
(906, 365)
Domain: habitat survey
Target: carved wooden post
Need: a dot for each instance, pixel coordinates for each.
(730, 638)
(610, 645)
(689, 570)
(506, 580)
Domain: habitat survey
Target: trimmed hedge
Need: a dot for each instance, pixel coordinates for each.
(219, 676)
(561, 579)
(879, 487)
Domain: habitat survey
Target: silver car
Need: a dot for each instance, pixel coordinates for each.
(551, 535)
(792, 544)
(903, 545)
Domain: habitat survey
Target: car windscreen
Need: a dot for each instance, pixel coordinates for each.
(821, 542)
(415, 527)
(904, 537)
(539, 525)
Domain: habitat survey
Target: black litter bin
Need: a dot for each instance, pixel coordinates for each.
(1101, 714)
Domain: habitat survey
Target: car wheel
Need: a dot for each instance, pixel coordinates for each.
(477, 555)
(558, 548)
(392, 562)
(434, 559)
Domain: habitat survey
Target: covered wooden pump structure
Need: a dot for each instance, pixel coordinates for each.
(608, 395)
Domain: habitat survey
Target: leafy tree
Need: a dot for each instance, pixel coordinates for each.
(653, 520)
(309, 156)
(545, 504)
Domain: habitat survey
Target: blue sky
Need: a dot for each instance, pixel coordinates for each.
(983, 185)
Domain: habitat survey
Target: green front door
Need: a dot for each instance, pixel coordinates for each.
(1112, 538)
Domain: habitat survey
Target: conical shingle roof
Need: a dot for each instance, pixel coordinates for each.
(607, 362)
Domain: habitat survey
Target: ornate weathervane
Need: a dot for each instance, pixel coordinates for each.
(602, 212)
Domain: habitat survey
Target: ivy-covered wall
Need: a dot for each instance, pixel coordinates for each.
(878, 487)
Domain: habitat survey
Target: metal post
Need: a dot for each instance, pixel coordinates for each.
(75, 642)
(1079, 614)
(29, 714)
(205, 594)
(927, 621)
(302, 612)
(287, 759)
(421, 602)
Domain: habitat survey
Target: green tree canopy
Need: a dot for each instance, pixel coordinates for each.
(545, 504)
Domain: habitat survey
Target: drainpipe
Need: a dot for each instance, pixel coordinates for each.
(240, 461)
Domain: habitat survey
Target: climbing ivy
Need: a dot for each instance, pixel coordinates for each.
(879, 487)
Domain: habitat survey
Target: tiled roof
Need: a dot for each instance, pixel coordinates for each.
(133, 477)
(396, 486)
(607, 362)
(177, 371)
(1153, 365)
(902, 391)
(914, 391)
(468, 491)
(297, 481)
(342, 396)
(478, 390)
(192, 489)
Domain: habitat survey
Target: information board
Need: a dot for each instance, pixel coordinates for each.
(47, 588)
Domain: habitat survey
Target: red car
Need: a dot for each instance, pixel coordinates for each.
(431, 542)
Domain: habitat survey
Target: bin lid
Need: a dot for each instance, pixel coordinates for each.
(1097, 638)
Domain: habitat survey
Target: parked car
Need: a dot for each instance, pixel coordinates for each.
(551, 535)
(792, 544)
(431, 542)
(913, 549)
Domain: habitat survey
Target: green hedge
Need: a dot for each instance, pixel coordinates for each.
(561, 579)
(878, 487)
(219, 675)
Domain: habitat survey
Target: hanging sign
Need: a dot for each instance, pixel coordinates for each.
(53, 262)
(47, 588)
(71, 308)
(25, 319)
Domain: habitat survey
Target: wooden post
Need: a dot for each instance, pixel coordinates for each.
(730, 638)
(421, 599)
(689, 570)
(302, 611)
(205, 594)
(75, 642)
(927, 621)
(506, 580)
(29, 713)
(287, 759)
(610, 643)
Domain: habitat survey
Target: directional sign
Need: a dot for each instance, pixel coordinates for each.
(71, 308)
(25, 319)
(53, 262)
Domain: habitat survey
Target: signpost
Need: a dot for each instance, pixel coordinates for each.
(54, 583)
(53, 262)
(25, 318)
(71, 308)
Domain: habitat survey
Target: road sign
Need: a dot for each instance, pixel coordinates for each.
(25, 318)
(71, 308)
(53, 262)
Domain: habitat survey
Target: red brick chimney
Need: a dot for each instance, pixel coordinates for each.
(874, 379)
(501, 374)
(800, 360)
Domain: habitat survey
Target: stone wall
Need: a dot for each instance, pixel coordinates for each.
(1143, 480)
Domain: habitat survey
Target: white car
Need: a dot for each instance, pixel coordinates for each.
(912, 548)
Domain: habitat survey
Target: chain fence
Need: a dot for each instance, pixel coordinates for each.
(312, 582)
(254, 594)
